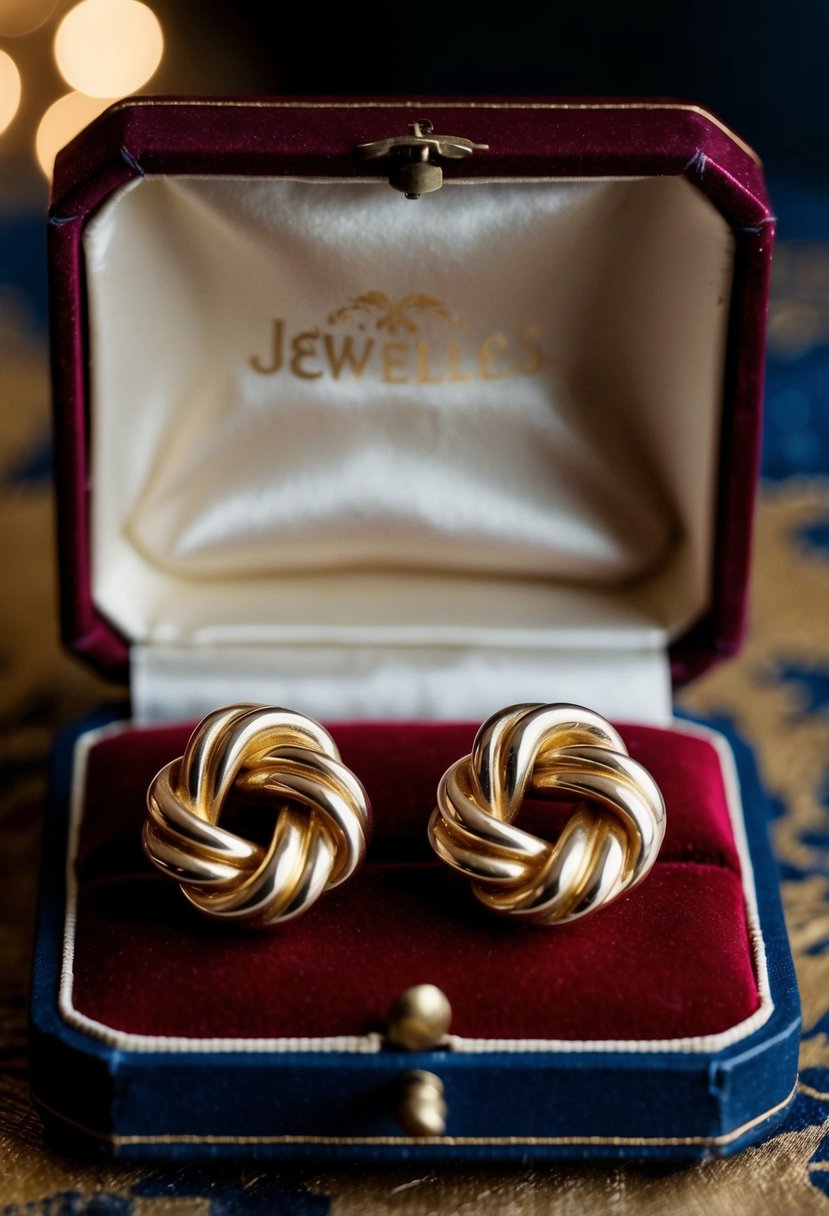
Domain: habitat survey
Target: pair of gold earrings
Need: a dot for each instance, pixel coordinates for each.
(322, 829)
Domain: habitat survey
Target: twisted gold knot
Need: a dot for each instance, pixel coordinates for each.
(269, 754)
(608, 845)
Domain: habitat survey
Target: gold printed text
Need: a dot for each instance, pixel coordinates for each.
(311, 354)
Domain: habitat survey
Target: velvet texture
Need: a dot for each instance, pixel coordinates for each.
(526, 139)
(670, 960)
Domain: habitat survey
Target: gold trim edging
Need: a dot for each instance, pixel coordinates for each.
(682, 107)
(451, 1141)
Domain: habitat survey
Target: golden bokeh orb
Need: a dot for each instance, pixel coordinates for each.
(9, 89)
(64, 119)
(108, 48)
(20, 17)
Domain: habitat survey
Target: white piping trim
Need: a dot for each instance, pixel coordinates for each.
(322, 179)
(372, 1043)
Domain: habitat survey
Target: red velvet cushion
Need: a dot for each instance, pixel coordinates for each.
(671, 959)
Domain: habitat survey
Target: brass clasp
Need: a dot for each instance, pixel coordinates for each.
(419, 1021)
(421, 1107)
(415, 170)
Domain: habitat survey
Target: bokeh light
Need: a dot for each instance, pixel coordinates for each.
(109, 48)
(19, 17)
(62, 122)
(9, 89)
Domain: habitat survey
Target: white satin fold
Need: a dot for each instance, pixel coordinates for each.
(379, 683)
(231, 503)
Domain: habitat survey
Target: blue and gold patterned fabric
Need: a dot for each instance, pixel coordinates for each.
(776, 694)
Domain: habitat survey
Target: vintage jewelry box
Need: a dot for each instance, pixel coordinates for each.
(396, 464)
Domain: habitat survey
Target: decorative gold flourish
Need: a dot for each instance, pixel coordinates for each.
(768, 1178)
(395, 317)
(790, 587)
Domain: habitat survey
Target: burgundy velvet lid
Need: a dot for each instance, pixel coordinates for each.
(526, 137)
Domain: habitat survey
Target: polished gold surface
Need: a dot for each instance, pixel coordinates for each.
(274, 756)
(420, 1018)
(608, 845)
(422, 1110)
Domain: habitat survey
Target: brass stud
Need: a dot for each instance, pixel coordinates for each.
(415, 167)
(422, 1110)
(416, 177)
(419, 1019)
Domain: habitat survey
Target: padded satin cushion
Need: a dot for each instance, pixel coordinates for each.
(671, 959)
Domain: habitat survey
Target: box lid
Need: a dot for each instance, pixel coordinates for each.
(306, 425)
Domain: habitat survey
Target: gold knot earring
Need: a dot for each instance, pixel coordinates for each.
(275, 756)
(608, 845)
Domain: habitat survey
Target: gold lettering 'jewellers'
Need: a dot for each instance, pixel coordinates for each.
(396, 352)
(315, 353)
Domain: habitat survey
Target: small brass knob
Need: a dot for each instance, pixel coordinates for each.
(419, 1019)
(416, 177)
(416, 170)
(422, 1110)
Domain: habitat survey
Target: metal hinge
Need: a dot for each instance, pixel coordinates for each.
(415, 170)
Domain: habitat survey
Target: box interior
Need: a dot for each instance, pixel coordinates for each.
(378, 458)
(678, 962)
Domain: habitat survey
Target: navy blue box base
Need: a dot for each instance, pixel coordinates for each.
(339, 1106)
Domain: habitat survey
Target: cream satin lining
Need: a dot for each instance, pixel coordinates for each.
(528, 449)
